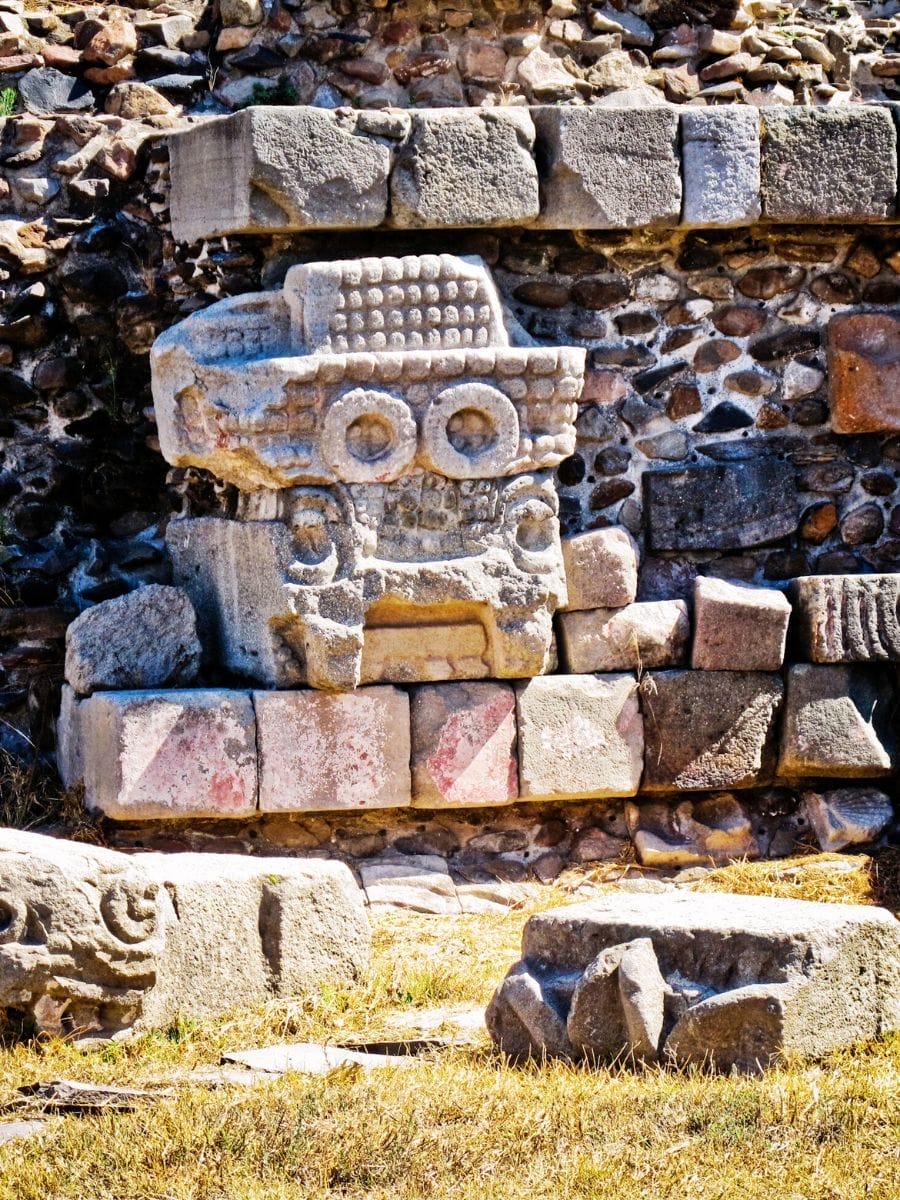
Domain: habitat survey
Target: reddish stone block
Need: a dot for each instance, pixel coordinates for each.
(464, 745)
(864, 372)
(320, 751)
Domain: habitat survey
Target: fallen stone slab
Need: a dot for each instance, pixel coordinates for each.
(738, 628)
(13, 1131)
(846, 618)
(720, 163)
(838, 723)
(706, 730)
(134, 941)
(466, 167)
(70, 1095)
(713, 980)
(864, 372)
(145, 639)
(418, 882)
(314, 1058)
(849, 816)
(836, 164)
(607, 168)
(651, 634)
(271, 169)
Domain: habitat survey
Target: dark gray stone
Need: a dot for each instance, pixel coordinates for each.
(46, 91)
(720, 507)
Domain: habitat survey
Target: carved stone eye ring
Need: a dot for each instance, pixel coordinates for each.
(368, 437)
(470, 431)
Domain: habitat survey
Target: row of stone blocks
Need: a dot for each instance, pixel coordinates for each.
(231, 753)
(276, 170)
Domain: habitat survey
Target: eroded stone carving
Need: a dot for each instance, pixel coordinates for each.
(391, 431)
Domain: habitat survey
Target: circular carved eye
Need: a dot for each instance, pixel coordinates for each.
(368, 437)
(470, 431)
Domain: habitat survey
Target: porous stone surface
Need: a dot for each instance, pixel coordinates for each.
(846, 618)
(463, 745)
(721, 507)
(834, 165)
(849, 816)
(864, 372)
(641, 636)
(838, 723)
(278, 168)
(432, 438)
(738, 628)
(709, 729)
(604, 168)
(579, 735)
(720, 164)
(746, 980)
(146, 639)
(712, 829)
(320, 751)
(601, 569)
(464, 167)
(146, 755)
(134, 941)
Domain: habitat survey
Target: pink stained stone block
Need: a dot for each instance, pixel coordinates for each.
(464, 745)
(320, 751)
(153, 754)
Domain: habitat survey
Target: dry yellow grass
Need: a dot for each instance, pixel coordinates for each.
(461, 1125)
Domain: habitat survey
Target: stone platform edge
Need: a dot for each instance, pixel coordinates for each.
(274, 170)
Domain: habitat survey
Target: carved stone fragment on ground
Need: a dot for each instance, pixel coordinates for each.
(712, 980)
(98, 942)
(847, 618)
(390, 429)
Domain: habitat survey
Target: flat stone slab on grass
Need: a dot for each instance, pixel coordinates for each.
(131, 941)
(738, 981)
(313, 1058)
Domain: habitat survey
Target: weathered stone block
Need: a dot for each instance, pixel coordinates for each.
(720, 157)
(837, 164)
(712, 829)
(607, 168)
(145, 639)
(321, 751)
(417, 882)
(271, 169)
(709, 729)
(738, 628)
(838, 723)
(847, 816)
(579, 736)
(747, 979)
(463, 745)
(864, 372)
(846, 618)
(134, 941)
(601, 569)
(466, 167)
(720, 507)
(147, 755)
(638, 637)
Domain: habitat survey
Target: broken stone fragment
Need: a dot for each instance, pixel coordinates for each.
(617, 1007)
(711, 829)
(738, 628)
(525, 1021)
(846, 618)
(651, 634)
(132, 941)
(601, 569)
(145, 639)
(847, 816)
(838, 723)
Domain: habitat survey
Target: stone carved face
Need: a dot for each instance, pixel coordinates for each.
(77, 950)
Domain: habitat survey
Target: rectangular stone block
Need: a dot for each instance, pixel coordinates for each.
(579, 736)
(274, 170)
(607, 168)
(846, 618)
(709, 729)
(864, 372)
(422, 653)
(738, 628)
(466, 167)
(720, 507)
(147, 755)
(320, 751)
(838, 723)
(835, 164)
(463, 745)
(720, 163)
(638, 637)
(601, 569)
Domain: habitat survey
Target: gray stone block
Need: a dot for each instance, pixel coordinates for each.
(829, 164)
(607, 168)
(274, 170)
(720, 156)
(466, 167)
(846, 618)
